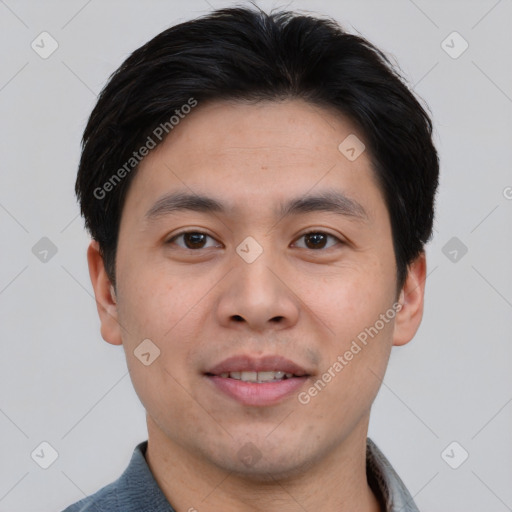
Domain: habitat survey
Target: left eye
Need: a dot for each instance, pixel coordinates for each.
(318, 239)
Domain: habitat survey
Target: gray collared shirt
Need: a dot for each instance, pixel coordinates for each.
(136, 490)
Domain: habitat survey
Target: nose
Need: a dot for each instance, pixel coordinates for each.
(257, 296)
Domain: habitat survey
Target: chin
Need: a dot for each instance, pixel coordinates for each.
(268, 465)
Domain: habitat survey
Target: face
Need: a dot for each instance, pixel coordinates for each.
(257, 281)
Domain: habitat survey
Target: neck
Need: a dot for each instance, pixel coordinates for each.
(336, 483)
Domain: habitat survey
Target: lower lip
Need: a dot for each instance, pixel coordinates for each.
(255, 393)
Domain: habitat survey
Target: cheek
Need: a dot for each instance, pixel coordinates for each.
(169, 311)
(354, 365)
(153, 303)
(349, 299)
(352, 307)
(163, 312)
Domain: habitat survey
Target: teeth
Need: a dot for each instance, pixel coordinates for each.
(249, 376)
(266, 376)
(257, 376)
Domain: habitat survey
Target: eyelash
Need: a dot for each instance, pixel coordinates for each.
(316, 232)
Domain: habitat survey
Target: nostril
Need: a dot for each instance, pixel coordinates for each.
(238, 318)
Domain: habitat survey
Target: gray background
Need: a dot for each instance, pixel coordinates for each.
(61, 383)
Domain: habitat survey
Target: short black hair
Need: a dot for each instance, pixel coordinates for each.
(246, 54)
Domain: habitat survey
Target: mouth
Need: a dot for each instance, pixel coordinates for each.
(260, 377)
(257, 382)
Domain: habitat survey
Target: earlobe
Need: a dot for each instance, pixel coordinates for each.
(106, 301)
(408, 319)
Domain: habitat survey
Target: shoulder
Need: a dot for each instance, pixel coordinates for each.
(111, 497)
(136, 490)
(104, 499)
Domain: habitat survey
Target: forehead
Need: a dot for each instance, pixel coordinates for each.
(284, 131)
(259, 153)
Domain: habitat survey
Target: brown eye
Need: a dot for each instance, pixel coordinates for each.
(191, 239)
(318, 240)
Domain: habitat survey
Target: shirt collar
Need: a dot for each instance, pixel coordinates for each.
(385, 482)
(137, 487)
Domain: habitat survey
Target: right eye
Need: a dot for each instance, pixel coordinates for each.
(193, 240)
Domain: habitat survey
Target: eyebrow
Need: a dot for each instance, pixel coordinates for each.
(330, 201)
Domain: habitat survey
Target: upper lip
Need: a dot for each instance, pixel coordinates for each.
(246, 363)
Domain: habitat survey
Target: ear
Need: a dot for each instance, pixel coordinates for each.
(105, 296)
(408, 319)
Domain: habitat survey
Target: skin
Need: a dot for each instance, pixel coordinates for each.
(200, 306)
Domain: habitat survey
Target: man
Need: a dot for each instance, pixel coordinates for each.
(259, 190)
